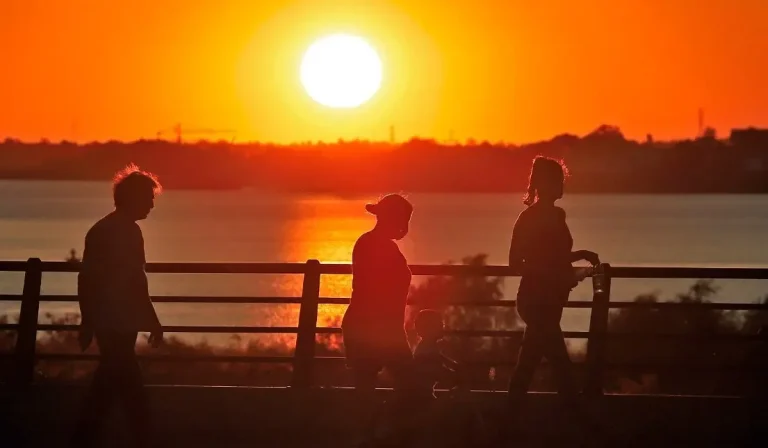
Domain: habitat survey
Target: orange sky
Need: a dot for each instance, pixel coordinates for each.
(510, 70)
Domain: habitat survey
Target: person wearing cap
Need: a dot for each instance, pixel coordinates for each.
(373, 325)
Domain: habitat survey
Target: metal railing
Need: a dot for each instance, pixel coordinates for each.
(304, 358)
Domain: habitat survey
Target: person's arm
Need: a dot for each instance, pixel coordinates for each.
(585, 255)
(517, 245)
(448, 363)
(142, 290)
(451, 375)
(88, 290)
(88, 281)
(433, 364)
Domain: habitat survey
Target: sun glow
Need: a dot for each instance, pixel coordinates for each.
(341, 71)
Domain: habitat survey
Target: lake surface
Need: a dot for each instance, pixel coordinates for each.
(47, 219)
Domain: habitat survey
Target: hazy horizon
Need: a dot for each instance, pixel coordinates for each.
(469, 141)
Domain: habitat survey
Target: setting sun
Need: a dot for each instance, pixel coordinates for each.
(341, 71)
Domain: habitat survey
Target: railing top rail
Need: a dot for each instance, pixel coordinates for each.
(505, 303)
(660, 272)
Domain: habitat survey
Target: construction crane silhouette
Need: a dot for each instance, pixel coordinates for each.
(177, 131)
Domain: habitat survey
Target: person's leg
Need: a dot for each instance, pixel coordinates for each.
(408, 405)
(101, 393)
(366, 409)
(133, 393)
(365, 368)
(528, 358)
(359, 357)
(556, 352)
(399, 363)
(365, 371)
(571, 405)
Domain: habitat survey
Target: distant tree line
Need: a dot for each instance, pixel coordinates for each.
(603, 161)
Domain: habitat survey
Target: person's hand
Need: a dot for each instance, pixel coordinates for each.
(156, 338)
(84, 337)
(460, 391)
(580, 274)
(590, 257)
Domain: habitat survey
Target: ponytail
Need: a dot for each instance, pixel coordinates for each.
(530, 195)
(533, 182)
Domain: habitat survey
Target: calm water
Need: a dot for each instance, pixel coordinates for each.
(46, 219)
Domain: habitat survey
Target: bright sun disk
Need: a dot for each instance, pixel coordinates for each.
(341, 71)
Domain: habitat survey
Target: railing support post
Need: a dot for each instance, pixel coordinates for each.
(596, 342)
(26, 336)
(303, 358)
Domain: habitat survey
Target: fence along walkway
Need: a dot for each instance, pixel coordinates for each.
(304, 358)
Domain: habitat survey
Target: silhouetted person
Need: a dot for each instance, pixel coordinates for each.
(373, 325)
(431, 363)
(451, 416)
(542, 250)
(115, 305)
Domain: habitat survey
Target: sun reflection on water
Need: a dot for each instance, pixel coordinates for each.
(325, 229)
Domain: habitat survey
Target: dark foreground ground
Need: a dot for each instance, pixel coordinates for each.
(191, 417)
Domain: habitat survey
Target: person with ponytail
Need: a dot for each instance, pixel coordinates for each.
(542, 252)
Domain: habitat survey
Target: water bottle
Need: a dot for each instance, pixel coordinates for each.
(598, 279)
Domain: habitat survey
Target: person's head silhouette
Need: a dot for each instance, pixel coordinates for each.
(393, 215)
(429, 325)
(546, 181)
(134, 192)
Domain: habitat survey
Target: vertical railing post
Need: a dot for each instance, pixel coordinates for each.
(26, 336)
(598, 332)
(303, 358)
